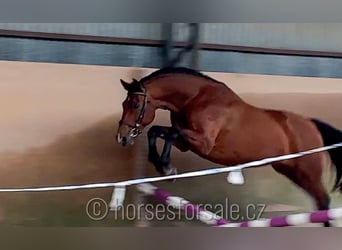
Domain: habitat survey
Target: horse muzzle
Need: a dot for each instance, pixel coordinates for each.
(125, 140)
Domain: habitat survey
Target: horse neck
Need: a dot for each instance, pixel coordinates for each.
(175, 91)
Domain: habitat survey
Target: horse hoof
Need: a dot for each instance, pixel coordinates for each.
(171, 171)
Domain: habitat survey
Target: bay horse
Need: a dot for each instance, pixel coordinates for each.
(212, 121)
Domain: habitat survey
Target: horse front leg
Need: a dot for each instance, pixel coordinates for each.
(200, 141)
(162, 162)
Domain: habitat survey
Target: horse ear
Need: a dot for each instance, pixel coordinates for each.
(124, 84)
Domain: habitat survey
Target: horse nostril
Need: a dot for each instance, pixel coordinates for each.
(124, 141)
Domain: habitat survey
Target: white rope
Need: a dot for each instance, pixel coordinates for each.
(176, 176)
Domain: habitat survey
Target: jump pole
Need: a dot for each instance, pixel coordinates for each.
(165, 197)
(212, 219)
(292, 220)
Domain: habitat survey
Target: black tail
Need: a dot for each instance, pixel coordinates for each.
(331, 136)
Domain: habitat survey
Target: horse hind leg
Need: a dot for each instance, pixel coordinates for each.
(309, 178)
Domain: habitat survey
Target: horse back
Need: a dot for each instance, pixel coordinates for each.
(300, 131)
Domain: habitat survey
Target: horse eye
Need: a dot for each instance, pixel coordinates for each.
(136, 105)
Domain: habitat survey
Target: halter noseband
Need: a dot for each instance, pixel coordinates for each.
(135, 129)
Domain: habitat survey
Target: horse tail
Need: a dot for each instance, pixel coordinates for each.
(331, 136)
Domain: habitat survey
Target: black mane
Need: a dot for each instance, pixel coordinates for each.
(176, 70)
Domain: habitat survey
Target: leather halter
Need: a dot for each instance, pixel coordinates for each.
(135, 129)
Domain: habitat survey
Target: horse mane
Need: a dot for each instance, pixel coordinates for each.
(176, 70)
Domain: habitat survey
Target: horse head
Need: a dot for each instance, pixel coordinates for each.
(137, 112)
